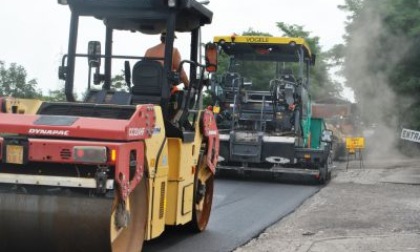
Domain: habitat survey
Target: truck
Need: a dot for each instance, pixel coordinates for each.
(265, 121)
(113, 169)
(342, 117)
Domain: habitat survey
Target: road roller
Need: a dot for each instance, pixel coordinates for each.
(118, 161)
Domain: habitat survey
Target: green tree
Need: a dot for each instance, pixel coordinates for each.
(13, 82)
(322, 86)
(382, 59)
(55, 95)
(259, 73)
(118, 82)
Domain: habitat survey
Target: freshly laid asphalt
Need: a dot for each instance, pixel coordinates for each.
(242, 209)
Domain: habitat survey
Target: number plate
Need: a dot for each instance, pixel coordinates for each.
(14, 154)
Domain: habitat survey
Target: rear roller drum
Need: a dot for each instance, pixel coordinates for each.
(128, 223)
(57, 219)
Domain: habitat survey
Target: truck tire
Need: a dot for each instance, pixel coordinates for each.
(324, 173)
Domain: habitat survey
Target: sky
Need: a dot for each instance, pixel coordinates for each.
(35, 33)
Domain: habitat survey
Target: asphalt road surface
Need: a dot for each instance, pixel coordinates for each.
(242, 209)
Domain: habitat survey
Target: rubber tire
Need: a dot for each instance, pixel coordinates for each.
(324, 174)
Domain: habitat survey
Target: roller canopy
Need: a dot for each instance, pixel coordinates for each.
(146, 16)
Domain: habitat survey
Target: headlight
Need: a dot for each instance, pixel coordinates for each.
(171, 3)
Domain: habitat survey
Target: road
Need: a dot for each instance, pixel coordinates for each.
(242, 209)
(374, 207)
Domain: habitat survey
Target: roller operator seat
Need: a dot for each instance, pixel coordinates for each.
(149, 84)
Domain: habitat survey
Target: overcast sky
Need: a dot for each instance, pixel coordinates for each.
(35, 33)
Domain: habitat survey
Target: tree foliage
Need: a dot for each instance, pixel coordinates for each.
(260, 74)
(382, 59)
(57, 95)
(118, 82)
(13, 82)
(322, 86)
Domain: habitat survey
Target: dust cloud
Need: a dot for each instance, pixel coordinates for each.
(367, 72)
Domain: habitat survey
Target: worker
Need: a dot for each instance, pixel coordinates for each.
(158, 51)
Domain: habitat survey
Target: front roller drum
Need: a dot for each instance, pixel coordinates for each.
(203, 196)
(70, 222)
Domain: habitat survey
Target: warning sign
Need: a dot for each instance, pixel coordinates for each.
(410, 135)
(354, 143)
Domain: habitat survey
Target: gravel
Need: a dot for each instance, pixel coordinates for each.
(370, 208)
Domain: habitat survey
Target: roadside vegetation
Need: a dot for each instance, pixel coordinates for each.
(379, 60)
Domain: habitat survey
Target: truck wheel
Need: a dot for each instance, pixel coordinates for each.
(131, 238)
(203, 196)
(324, 173)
